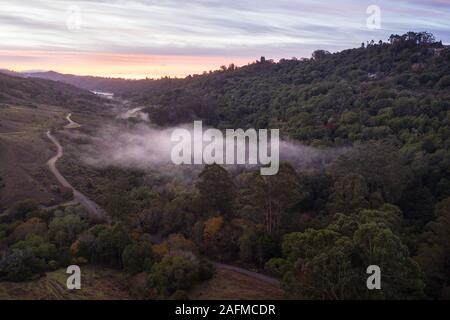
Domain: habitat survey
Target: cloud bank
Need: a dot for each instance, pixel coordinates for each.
(95, 35)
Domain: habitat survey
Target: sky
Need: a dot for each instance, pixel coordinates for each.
(147, 38)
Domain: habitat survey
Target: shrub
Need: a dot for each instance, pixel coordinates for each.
(174, 273)
(110, 244)
(137, 257)
(20, 265)
(64, 230)
(206, 270)
(277, 267)
(20, 209)
(29, 227)
(257, 246)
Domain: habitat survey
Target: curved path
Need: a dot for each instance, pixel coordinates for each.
(72, 124)
(251, 274)
(91, 207)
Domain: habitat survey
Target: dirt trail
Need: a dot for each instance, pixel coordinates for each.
(249, 273)
(91, 207)
(72, 124)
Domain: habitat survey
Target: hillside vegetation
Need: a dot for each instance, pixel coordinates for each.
(33, 92)
(390, 102)
(384, 201)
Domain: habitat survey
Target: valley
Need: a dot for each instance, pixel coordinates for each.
(363, 180)
(26, 127)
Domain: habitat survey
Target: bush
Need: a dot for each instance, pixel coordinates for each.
(103, 244)
(206, 270)
(277, 267)
(110, 244)
(27, 228)
(20, 209)
(20, 265)
(38, 246)
(174, 273)
(444, 82)
(64, 230)
(137, 257)
(257, 246)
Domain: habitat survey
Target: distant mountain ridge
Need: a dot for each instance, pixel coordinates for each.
(91, 83)
(11, 73)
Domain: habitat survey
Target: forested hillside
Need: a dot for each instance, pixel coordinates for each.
(364, 93)
(390, 102)
(397, 92)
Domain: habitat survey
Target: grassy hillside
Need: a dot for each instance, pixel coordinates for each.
(114, 85)
(231, 285)
(35, 92)
(24, 151)
(28, 108)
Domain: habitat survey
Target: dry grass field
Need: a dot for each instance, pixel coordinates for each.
(228, 284)
(106, 284)
(97, 284)
(24, 151)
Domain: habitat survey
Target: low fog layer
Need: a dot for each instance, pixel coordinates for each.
(142, 146)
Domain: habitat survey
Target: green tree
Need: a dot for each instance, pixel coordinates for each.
(64, 230)
(38, 246)
(21, 208)
(330, 263)
(383, 166)
(179, 214)
(174, 272)
(322, 265)
(216, 190)
(275, 195)
(137, 257)
(256, 246)
(110, 244)
(31, 226)
(277, 267)
(320, 54)
(350, 193)
(434, 251)
(20, 265)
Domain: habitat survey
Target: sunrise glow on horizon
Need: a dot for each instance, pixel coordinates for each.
(152, 39)
(128, 66)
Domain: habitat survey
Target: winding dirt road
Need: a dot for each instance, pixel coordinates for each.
(90, 206)
(72, 124)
